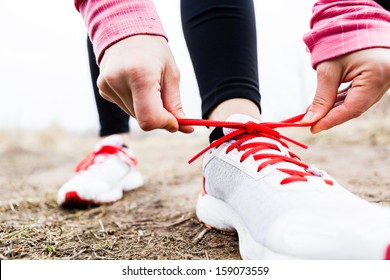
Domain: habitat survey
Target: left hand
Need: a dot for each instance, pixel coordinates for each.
(368, 71)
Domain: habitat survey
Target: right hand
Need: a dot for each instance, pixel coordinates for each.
(368, 72)
(140, 75)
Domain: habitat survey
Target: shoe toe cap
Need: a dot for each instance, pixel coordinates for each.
(324, 235)
(87, 188)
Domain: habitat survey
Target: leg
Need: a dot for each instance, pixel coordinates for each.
(221, 38)
(113, 120)
(384, 3)
(279, 206)
(104, 180)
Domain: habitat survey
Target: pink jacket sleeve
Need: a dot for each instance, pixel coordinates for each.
(341, 27)
(109, 21)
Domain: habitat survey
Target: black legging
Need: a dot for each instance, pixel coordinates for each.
(221, 39)
(113, 119)
(384, 3)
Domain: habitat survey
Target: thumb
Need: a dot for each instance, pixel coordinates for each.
(170, 95)
(328, 82)
(148, 105)
(355, 104)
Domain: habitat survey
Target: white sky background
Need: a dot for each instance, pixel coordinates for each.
(44, 76)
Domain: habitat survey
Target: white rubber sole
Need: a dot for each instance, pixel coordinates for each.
(131, 181)
(221, 216)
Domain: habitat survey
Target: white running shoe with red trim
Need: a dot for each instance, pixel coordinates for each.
(102, 176)
(280, 207)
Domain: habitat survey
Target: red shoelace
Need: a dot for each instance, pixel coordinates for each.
(104, 150)
(242, 132)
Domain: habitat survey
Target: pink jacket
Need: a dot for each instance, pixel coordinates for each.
(337, 26)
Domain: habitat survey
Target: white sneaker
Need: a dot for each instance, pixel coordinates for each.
(102, 176)
(280, 207)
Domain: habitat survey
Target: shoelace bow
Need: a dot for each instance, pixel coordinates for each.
(243, 132)
(104, 150)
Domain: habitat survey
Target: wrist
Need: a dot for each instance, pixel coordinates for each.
(109, 22)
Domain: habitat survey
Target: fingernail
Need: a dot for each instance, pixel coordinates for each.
(308, 117)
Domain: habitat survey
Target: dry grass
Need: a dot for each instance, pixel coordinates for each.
(153, 222)
(107, 232)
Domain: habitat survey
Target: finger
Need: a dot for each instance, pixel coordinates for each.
(340, 98)
(110, 95)
(116, 91)
(148, 106)
(355, 104)
(346, 88)
(328, 82)
(342, 94)
(117, 102)
(170, 95)
(106, 96)
(338, 103)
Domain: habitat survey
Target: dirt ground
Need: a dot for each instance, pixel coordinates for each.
(156, 221)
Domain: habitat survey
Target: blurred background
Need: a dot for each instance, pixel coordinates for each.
(49, 122)
(44, 75)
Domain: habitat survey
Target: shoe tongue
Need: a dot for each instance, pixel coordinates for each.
(244, 119)
(112, 140)
(238, 118)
